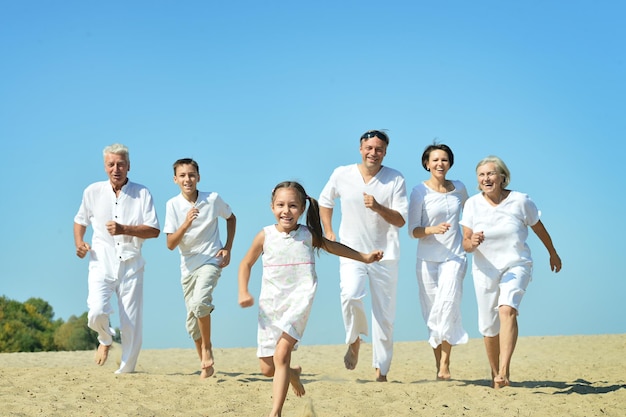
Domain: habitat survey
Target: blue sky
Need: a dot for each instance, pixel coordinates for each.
(264, 91)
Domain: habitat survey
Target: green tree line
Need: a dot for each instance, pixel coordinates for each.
(30, 327)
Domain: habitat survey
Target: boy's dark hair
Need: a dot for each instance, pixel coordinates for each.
(186, 161)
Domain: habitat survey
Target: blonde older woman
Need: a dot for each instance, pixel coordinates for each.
(495, 228)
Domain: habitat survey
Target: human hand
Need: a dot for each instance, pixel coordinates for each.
(555, 263)
(440, 228)
(82, 249)
(224, 254)
(370, 201)
(192, 214)
(246, 300)
(114, 228)
(477, 238)
(374, 256)
(331, 236)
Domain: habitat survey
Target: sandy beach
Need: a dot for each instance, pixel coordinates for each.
(551, 376)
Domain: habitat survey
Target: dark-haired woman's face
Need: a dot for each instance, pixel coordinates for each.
(438, 163)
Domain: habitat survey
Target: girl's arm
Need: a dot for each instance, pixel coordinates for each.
(544, 236)
(340, 249)
(245, 267)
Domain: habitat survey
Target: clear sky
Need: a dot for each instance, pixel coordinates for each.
(264, 91)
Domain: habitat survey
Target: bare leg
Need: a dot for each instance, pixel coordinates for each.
(351, 357)
(508, 340)
(279, 366)
(443, 367)
(205, 348)
(492, 346)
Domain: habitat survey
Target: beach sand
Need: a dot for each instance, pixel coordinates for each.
(551, 376)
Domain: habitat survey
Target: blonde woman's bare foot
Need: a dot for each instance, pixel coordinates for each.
(102, 354)
(294, 380)
(351, 357)
(501, 382)
(207, 364)
(379, 377)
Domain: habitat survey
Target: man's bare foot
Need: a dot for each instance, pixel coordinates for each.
(294, 380)
(379, 377)
(351, 357)
(102, 354)
(501, 382)
(207, 364)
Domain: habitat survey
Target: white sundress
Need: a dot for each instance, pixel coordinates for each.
(288, 286)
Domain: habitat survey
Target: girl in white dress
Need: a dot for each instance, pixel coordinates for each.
(288, 283)
(434, 213)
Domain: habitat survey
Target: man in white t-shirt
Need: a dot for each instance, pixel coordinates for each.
(122, 216)
(374, 206)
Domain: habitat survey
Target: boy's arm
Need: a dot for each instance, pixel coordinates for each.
(173, 239)
(340, 249)
(224, 253)
(245, 267)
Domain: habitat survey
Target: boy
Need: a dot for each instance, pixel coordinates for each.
(191, 223)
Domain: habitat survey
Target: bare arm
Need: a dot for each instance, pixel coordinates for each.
(245, 267)
(471, 240)
(391, 216)
(420, 232)
(174, 239)
(326, 217)
(340, 249)
(141, 231)
(224, 253)
(544, 236)
(82, 247)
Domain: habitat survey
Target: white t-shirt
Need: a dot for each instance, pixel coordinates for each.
(505, 227)
(361, 228)
(428, 207)
(201, 242)
(133, 206)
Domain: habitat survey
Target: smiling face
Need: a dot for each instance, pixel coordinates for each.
(373, 152)
(116, 167)
(438, 164)
(287, 208)
(489, 179)
(187, 178)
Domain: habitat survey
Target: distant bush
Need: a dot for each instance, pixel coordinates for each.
(30, 327)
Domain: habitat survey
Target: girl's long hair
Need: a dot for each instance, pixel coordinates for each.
(312, 214)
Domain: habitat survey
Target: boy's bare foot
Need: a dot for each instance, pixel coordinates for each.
(379, 377)
(294, 380)
(207, 364)
(102, 354)
(501, 382)
(351, 357)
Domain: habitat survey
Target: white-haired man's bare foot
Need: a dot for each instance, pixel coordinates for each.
(207, 370)
(380, 377)
(351, 357)
(294, 380)
(102, 354)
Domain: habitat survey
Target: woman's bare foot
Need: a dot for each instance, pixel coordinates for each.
(294, 380)
(501, 382)
(207, 364)
(102, 354)
(351, 357)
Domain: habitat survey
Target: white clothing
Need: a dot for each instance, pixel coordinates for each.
(115, 262)
(288, 286)
(365, 230)
(428, 207)
(494, 288)
(441, 261)
(505, 227)
(383, 282)
(201, 242)
(361, 228)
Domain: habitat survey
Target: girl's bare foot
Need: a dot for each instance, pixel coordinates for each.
(443, 374)
(294, 380)
(351, 357)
